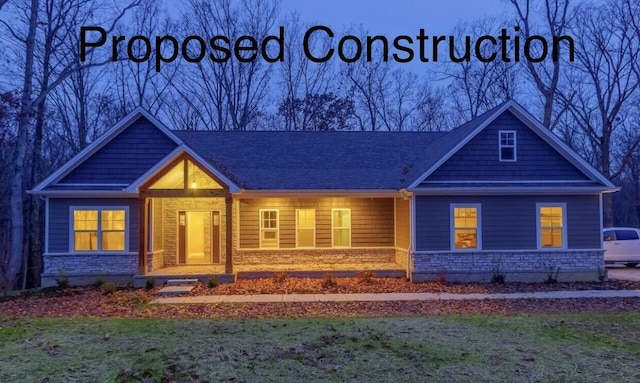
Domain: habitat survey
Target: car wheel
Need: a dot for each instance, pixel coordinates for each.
(631, 265)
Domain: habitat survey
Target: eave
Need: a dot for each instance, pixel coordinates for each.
(514, 190)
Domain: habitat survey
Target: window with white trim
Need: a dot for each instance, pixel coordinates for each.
(465, 227)
(305, 228)
(99, 229)
(552, 233)
(507, 145)
(341, 227)
(268, 228)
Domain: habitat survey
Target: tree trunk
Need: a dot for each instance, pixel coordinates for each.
(24, 120)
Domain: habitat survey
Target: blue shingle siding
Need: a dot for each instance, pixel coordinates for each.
(126, 157)
(59, 217)
(508, 222)
(479, 159)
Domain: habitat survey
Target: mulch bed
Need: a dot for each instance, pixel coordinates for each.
(108, 301)
(280, 284)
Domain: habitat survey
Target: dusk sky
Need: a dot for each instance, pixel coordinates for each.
(395, 17)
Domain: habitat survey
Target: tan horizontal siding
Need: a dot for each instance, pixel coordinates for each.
(403, 231)
(371, 220)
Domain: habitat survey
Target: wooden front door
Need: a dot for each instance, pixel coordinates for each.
(198, 237)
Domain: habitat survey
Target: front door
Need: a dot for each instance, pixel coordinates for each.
(198, 237)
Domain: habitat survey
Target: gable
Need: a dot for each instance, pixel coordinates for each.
(125, 158)
(478, 160)
(183, 174)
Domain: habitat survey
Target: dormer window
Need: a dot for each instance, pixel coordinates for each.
(507, 145)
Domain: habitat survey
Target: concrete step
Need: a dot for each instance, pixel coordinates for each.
(175, 290)
(181, 282)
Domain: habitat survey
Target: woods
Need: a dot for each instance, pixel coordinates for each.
(53, 104)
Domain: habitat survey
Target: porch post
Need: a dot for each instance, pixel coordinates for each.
(228, 264)
(142, 236)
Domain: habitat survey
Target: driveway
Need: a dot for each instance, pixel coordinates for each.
(624, 273)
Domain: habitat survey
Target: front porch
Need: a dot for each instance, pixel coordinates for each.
(204, 272)
(196, 227)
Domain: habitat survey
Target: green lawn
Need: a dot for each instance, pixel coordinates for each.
(542, 348)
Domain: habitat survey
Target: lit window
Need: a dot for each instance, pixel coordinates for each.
(101, 229)
(551, 226)
(341, 227)
(305, 228)
(507, 145)
(268, 228)
(466, 227)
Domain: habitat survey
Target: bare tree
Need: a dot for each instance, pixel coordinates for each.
(555, 16)
(300, 77)
(31, 99)
(606, 79)
(227, 95)
(477, 86)
(367, 81)
(139, 84)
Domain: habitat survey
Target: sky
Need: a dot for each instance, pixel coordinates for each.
(395, 17)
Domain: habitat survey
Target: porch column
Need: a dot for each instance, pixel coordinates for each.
(142, 235)
(228, 264)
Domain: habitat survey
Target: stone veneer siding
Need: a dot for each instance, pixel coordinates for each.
(93, 266)
(525, 266)
(155, 260)
(401, 257)
(313, 256)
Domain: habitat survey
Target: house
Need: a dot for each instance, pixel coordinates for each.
(499, 194)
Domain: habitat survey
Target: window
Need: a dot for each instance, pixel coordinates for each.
(305, 228)
(626, 235)
(609, 235)
(551, 226)
(268, 228)
(507, 145)
(341, 227)
(465, 227)
(99, 229)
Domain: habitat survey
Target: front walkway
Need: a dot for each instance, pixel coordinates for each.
(271, 298)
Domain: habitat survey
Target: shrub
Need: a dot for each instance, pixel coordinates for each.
(552, 273)
(213, 282)
(602, 274)
(150, 284)
(280, 277)
(99, 282)
(498, 276)
(441, 279)
(61, 280)
(108, 288)
(328, 282)
(366, 277)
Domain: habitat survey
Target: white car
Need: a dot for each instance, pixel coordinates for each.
(622, 244)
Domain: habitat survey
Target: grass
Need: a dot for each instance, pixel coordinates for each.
(536, 348)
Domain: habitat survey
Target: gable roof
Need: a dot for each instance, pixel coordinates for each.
(49, 182)
(317, 161)
(267, 160)
(471, 129)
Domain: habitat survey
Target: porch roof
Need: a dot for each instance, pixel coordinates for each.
(262, 160)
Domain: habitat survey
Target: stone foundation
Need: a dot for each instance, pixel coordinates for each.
(155, 260)
(87, 268)
(526, 266)
(314, 256)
